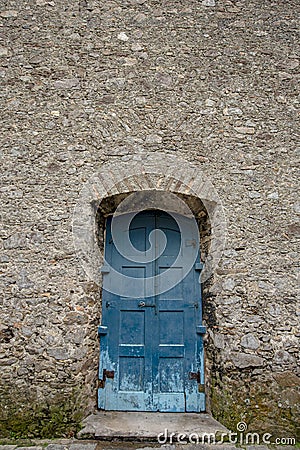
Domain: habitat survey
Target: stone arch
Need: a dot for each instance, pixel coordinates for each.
(154, 172)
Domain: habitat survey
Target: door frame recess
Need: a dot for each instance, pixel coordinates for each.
(107, 208)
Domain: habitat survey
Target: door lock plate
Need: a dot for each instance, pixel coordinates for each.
(146, 305)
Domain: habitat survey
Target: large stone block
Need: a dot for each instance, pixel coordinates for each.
(243, 360)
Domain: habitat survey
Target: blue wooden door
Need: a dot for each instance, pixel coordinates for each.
(151, 349)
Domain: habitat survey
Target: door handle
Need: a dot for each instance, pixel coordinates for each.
(144, 305)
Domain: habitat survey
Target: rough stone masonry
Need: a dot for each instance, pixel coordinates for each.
(215, 82)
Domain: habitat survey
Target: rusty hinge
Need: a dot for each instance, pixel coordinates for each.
(106, 374)
(194, 376)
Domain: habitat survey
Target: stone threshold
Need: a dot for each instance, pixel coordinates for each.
(147, 426)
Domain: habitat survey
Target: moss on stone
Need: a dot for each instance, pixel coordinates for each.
(224, 408)
(23, 418)
(257, 405)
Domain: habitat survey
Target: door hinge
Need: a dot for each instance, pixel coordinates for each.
(102, 331)
(194, 376)
(200, 329)
(199, 266)
(106, 374)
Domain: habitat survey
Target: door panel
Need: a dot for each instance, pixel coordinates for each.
(150, 345)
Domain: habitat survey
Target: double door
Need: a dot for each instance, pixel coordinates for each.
(151, 347)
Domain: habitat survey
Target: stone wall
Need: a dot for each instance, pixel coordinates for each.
(84, 83)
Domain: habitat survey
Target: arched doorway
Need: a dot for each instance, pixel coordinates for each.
(102, 194)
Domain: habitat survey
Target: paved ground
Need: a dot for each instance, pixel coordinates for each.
(139, 431)
(98, 445)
